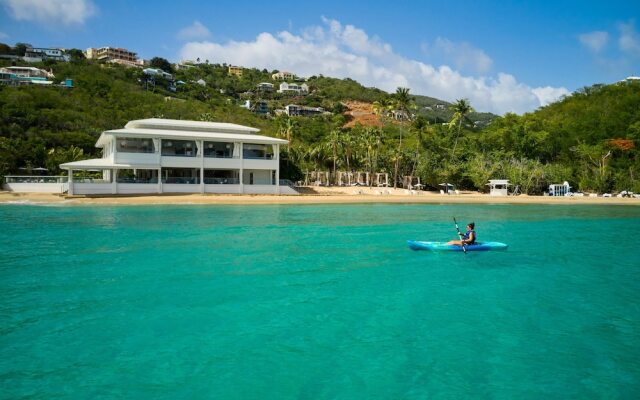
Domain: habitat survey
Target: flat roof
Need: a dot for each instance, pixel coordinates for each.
(105, 163)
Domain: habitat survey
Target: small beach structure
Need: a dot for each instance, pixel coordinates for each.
(382, 179)
(447, 188)
(559, 189)
(175, 156)
(362, 179)
(317, 178)
(344, 178)
(411, 182)
(498, 187)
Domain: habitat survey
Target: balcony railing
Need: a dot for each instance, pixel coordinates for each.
(192, 181)
(137, 180)
(35, 179)
(221, 181)
(249, 156)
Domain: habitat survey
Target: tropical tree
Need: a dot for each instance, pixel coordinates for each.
(460, 109)
(349, 146)
(403, 102)
(371, 142)
(161, 63)
(286, 129)
(333, 142)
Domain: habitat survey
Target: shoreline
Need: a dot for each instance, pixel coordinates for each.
(317, 196)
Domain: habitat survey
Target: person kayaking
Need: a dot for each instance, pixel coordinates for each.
(469, 236)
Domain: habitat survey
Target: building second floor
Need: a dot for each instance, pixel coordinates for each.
(189, 144)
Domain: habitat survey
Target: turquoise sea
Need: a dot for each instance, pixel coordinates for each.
(317, 302)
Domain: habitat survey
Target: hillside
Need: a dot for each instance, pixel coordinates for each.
(439, 111)
(44, 126)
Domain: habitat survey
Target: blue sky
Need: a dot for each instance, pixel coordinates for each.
(503, 56)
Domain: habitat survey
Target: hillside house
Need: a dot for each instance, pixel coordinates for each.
(293, 88)
(283, 76)
(296, 110)
(39, 54)
(234, 70)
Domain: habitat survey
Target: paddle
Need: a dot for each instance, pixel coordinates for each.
(460, 235)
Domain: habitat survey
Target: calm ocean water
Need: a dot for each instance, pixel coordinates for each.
(317, 302)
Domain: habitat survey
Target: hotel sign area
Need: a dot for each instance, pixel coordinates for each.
(174, 156)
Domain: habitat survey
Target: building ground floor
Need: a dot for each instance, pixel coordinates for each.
(157, 180)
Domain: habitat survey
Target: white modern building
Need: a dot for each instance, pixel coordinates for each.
(293, 88)
(174, 156)
(38, 54)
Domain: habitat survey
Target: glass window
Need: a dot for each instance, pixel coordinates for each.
(221, 176)
(257, 151)
(179, 148)
(134, 145)
(137, 176)
(181, 175)
(218, 149)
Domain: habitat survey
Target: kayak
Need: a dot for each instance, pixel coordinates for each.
(443, 246)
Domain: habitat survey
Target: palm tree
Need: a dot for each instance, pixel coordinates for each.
(403, 102)
(371, 141)
(382, 107)
(332, 142)
(349, 145)
(460, 109)
(287, 129)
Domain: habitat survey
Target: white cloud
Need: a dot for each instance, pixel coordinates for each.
(194, 31)
(548, 94)
(342, 51)
(51, 12)
(594, 41)
(463, 55)
(629, 41)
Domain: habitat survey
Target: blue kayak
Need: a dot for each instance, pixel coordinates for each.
(443, 246)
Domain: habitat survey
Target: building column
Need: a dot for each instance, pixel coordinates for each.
(241, 168)
(114, 182)
(201, 155)
(278, 169)
(159, 180)
(70, 191)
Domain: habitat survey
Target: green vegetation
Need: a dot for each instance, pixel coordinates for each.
(589, 138)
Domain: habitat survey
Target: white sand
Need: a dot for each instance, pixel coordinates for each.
(315, 195)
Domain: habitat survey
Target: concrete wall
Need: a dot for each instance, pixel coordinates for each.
(135, 188)
(233, 189)
(92, 188)
(180, 188)
(36, 187)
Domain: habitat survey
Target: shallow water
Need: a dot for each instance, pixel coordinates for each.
(326, 302)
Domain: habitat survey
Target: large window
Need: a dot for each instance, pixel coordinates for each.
(178, 148)
(137, 176)
(221, 176)
(181, 175)
(257, 151)
(134, 145)
(218, 149)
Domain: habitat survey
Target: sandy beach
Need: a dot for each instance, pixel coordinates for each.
(312, 195)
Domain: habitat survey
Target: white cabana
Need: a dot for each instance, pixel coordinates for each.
(498, 187)
(559, 190)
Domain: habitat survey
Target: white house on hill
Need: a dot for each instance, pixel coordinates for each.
(174, 156)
